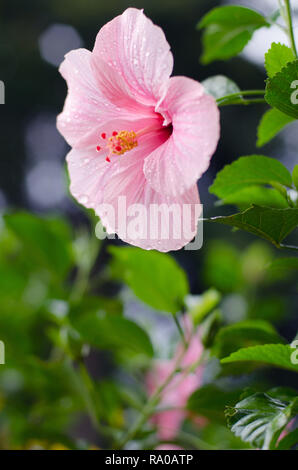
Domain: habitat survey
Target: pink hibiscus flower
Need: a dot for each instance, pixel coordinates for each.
(136, 132)
(177, 392)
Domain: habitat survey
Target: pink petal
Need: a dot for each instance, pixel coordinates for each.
(127, 179)
(88, 169)
(168, 423)
(168, 447)
(117, 91)
(85, 107)
(138, 51)
(176, 165)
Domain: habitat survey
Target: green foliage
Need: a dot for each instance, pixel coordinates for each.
(280, 91)
(219, 86)
(249, 171)
(110, 332)
(289, 441)
(154, 277)
(272, 122)
(227, 30)
(244, 334)
(220, 437)
(277, 355)
(260, 418)
(277, 57)
(211, 400)
(223, 267)
(46, 241)
(210, 327)
(284, 264)
(257, 195)
(204, 305)
(295, 176)
(271, 224)
(270, 308)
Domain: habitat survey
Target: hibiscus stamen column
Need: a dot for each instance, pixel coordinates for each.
(123, 141)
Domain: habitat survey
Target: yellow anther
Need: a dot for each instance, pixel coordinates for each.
(122, 142)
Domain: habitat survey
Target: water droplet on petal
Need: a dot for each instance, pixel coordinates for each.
(83, 199)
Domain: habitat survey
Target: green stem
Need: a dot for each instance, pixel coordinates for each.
(185, 439)
(151, 405)
(289, 247)
(150, 408)
(289, 23)
(81, 282)
(242, 102)
(82, 384)
(241, 93)
(179, 329)
(87, 395)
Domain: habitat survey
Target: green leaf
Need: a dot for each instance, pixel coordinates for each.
(271, 224)
(283, 264)
(209, 328)
(115, 331)
(271, 308)
(277, 57)
(154, 277)
(281, 90)
(46, 241)
(278, 355)
(219, 86)
(210, 401)
(228, 30)
(204, 305)
(289, 441)
(248, 171)
(295, 176)
(219, 436)
(282, 270)
(273, 17)
(257, 195)
(260, 418)
(244, 334)
(222, 267)
(272, 122)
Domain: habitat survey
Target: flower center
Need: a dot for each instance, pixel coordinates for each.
(123, 141)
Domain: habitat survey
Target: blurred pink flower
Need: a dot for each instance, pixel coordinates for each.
(134, 131)
(168, 447)
(177, 392)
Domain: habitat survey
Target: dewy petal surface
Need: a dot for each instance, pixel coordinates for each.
(88, 169)
(127, 179)
(112, 85)
(176, 165)
(139, 52)
(85, 107)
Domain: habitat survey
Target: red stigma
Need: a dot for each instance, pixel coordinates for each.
(103, 135)
(107, 159)
(98, 148)
(118, 148)
(115, 133)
